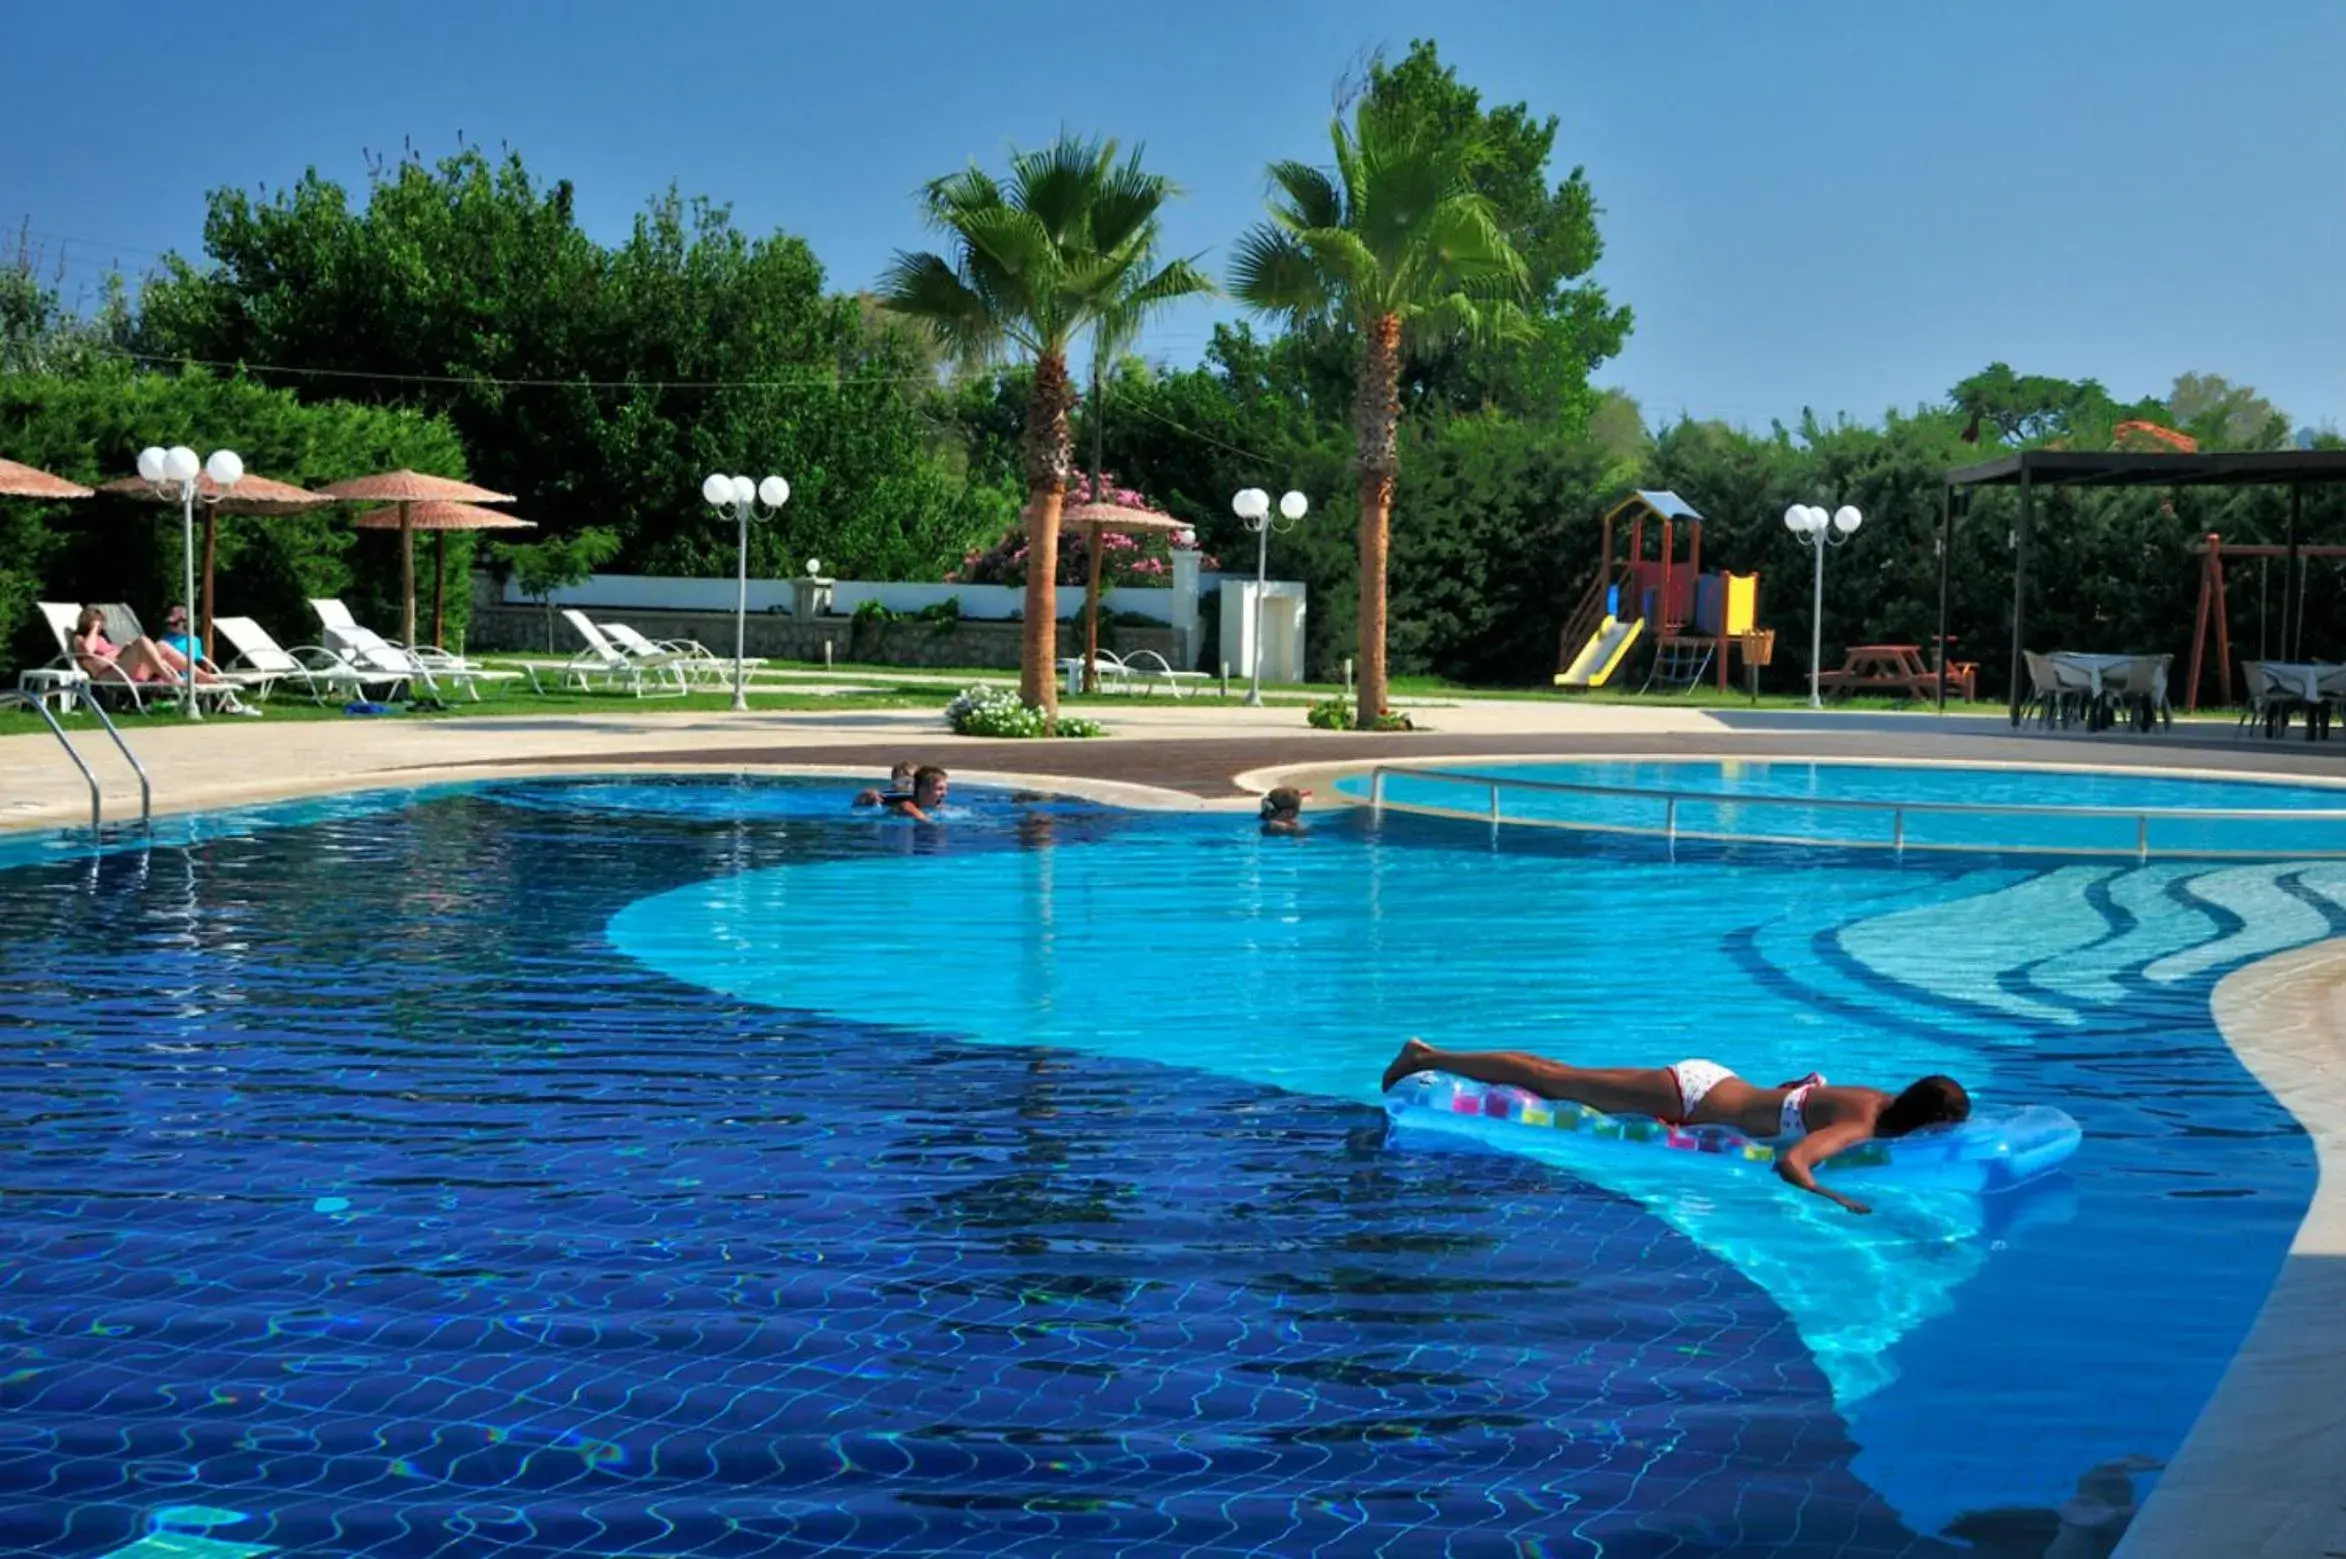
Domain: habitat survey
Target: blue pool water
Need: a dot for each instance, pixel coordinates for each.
(1755, 797)
(647, 1167)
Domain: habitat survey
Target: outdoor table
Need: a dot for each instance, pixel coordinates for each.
(2095, 668)
(1896, 666)
(2302, 680)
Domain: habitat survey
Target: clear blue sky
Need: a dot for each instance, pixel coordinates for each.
(1847, 206)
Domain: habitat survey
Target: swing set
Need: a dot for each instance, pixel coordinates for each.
(2213, 549)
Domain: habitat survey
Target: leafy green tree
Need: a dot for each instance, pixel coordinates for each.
(2224, 415)
(91, 426)
(1065, 246)
(540, 568)
(599, 385)
(1401, 247)
(1541, 373)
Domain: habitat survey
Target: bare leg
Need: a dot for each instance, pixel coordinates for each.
(144, 655)
(1616, 1090)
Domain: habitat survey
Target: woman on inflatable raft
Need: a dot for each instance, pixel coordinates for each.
(1817, 1118)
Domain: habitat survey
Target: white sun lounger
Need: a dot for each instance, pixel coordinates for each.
(695, 659)
(604, 660)
(65, 678)
(366, 648)
(321, 672)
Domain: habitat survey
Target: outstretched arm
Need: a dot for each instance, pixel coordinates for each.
(1798, 1165)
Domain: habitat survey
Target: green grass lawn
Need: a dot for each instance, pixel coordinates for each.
(14, 721)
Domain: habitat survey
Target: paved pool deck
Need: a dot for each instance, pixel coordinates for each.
(2258, 1477)
(1190, 754)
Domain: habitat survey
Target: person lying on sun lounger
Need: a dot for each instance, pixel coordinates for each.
(1818, 1119)
(142, 660)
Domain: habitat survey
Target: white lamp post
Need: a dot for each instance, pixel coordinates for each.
(175, 474)
(1253, 507)
(743, 497)
(1818, 530)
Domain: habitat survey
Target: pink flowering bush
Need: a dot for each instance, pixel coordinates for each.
(1126, 558)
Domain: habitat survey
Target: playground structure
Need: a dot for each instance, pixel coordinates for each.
(1693, 620)
(2213, 549)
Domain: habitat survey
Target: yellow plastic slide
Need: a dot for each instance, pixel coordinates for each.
(1606, 649)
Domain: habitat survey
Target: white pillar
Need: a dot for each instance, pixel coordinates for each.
(1185, 571)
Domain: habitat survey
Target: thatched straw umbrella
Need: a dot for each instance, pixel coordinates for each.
(253, 495)
(439, 517)
(407, 489)
(22, 481)
(1096, 518)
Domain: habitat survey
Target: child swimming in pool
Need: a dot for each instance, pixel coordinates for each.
(1819, 1119)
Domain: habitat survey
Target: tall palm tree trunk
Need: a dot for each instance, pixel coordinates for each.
(1377, 425)
(1049, 458)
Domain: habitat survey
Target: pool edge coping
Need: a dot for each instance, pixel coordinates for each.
(1123, 793)
(2257, 1475)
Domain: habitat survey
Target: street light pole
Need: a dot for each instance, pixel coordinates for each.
(176, 473)
(743, 497)
(1817, 531)
(1253, 507)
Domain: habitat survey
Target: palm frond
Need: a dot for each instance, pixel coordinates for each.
(1465, 232)
(1352, 270)
(1173, 281)
(1273, 273)
(1125, 207)
(1059, 184)
(1311, 197)
(925, 287)
(972, 189)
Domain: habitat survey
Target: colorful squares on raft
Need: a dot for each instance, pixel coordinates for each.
(1536, 1115)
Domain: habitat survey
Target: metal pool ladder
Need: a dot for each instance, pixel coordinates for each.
(146, 792)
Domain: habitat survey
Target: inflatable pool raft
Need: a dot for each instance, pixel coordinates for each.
(1993, 1151)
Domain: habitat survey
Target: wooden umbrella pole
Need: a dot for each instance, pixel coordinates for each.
(439, 588)
(211, 552)
(406, 576)
(1091, 617)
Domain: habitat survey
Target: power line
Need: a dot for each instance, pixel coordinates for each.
(382, 376)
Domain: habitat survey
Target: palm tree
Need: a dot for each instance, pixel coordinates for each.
(1398, 246)
(1064, 246)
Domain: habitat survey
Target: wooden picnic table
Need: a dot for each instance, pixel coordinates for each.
(1898, 667)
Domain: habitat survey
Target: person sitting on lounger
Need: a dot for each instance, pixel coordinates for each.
(1282, 811)
(141, 660)
(899, 786)
(1816, 1118)
(177, 637)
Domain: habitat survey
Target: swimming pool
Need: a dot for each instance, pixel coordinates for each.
(683, 1167)
(1911, 807)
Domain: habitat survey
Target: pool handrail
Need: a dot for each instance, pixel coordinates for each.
(146, 791)
(1670, 797)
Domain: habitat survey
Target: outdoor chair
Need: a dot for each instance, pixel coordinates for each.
(690, 656)
(1148, 668)
(602, 659)
(2144, 689)
(2048, 695)
(65, 678)
(428, 663)
(322, 674)
(2268, 704)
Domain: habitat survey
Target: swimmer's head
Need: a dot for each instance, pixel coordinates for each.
(1284, 802)
(928, 785)
(900, 777)
(1935, 1101)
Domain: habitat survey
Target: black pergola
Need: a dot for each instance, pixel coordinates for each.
(2029, 469)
